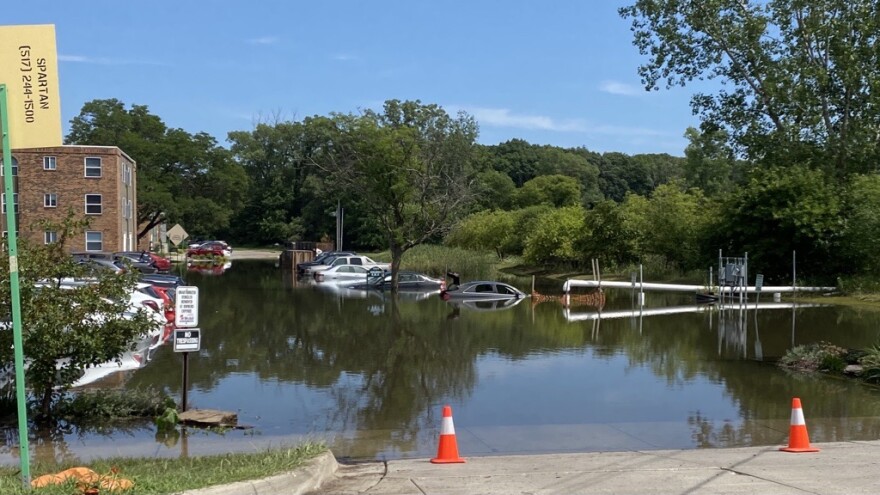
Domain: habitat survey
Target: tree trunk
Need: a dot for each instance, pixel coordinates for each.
(396, 256)
(46, 402)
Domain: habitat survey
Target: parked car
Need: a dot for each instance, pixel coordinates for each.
(210, 248)
(321, 259)
(343, 272)
(482, 290)
(160, 263)
(347, 260)
(406, 281)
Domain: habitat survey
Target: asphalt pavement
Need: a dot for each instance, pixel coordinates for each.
(842, 467)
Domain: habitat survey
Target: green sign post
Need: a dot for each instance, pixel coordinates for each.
(15, 295)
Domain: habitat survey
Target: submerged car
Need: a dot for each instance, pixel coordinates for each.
(343, 272)
(406, 282)
(482, 290)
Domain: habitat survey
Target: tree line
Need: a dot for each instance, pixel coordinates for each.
(785, 159)
(412, 174)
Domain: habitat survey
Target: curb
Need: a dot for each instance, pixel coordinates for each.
(303, 479)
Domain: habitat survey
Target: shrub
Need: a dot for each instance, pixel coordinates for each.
(820, 356)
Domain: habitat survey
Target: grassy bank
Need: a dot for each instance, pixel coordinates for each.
(164, 476)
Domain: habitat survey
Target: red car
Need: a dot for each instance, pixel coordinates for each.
(211, 248)
(161, 263)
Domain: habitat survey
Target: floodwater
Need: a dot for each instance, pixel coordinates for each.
(369, 374)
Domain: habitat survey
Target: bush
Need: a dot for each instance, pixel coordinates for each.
(820, 356)
(113, 404)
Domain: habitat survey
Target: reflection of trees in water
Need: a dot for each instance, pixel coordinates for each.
(387, 372)
(51, 443)
(728, 347)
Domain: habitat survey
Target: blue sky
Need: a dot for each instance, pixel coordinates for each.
(555, 72)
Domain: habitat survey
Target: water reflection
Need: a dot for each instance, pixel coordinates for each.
(369, 373)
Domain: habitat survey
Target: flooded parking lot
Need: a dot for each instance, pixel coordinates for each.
(369, 374)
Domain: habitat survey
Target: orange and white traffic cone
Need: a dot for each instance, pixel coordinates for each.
(798, 439)
(447, 451)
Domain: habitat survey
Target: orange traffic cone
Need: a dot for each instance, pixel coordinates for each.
(447, 451)
(798, 439)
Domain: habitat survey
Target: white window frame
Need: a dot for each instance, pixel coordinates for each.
(14, 168)
(14, 202)
(50, 237)
(99, 204)
(100, 240)
(50, 200)
(50, 163)
(100, 167)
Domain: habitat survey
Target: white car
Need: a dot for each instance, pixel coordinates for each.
(347, 260)
(343, 272)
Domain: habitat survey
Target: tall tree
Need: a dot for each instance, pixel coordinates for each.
(182, 177)
(799, 77)
(411, 164)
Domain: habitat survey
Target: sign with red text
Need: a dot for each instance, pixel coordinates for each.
(186, 307)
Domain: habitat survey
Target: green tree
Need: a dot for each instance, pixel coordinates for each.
(620, 174)
(675, 225)
(555, 236)
(181, 177)
(411, 164)
(780, 210)
(485, 230)
(607, 235)
(709, 161)
(67, 329)
(798, 77)
(277, 157)
(494, 190)
(553, 190)
(863, 225)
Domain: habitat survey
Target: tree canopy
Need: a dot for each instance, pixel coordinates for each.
(182, 177)
(799, 78)
(411, 164)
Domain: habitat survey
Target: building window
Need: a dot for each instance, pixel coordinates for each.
(14, 168)
(93, 204)
(50, 200)
(14, 201)
(50, 237)
(49, 163)
(94, 240)
(93, 166)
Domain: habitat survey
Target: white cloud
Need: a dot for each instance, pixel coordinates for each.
(619, 88)
(73, 58)
(263, 40)
(503, 117)
(345, 57)
(82, 59)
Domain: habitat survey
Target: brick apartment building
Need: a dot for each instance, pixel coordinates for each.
(97, 182)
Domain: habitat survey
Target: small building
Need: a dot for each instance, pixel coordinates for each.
(100, 182)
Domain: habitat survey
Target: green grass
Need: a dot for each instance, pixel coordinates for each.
(436, 260)
(153, 476)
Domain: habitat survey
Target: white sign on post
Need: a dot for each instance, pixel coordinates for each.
(187, 340)
(186, 307)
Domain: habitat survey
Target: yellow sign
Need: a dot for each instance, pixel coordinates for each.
(29, 68)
